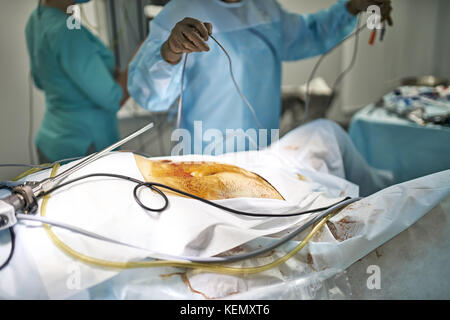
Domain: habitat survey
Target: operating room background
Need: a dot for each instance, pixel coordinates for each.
(416, 45)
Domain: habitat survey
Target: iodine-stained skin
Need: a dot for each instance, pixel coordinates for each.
(209, 180)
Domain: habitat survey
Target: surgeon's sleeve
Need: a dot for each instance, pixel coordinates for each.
(82, 63)
(152, 82)
(309, 35)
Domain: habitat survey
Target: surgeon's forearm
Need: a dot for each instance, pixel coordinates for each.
(168, 55)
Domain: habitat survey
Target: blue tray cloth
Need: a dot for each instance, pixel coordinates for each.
(405, 148)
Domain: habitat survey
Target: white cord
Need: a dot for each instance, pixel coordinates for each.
(350, 66)
(151, 254)
(316, 66)
(180, 101)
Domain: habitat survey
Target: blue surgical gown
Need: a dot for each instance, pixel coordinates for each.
(75, 70)
(258, 35)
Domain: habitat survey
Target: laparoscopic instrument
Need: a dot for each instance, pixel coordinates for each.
(24, 197)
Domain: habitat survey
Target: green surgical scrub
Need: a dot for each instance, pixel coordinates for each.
(76, 72)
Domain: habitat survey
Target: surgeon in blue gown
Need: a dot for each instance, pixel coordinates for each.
(258, 34)
(83, 88)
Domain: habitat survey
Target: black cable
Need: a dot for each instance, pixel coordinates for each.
(11, 252)
(155, 187)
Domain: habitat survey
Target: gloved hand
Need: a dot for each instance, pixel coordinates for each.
(357, 6)
(188, 35)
